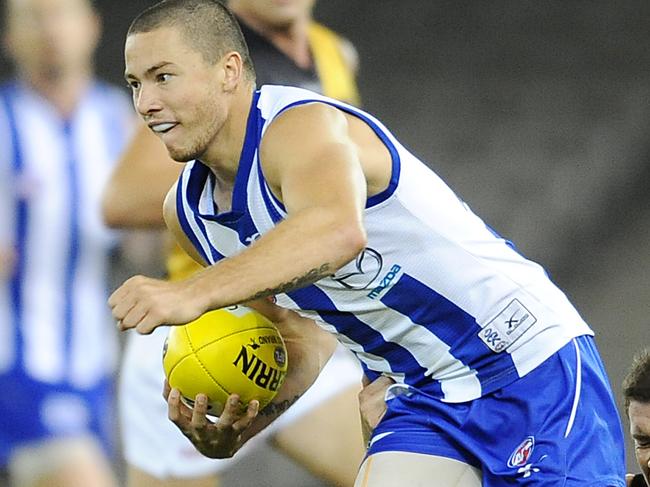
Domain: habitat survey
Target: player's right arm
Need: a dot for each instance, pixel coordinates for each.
(308, 347)
(134, 195)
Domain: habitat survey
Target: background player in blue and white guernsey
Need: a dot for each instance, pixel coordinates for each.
(60, 132)
(315, 202)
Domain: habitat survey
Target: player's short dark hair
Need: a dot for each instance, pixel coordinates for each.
(207, 25)
(636, 386)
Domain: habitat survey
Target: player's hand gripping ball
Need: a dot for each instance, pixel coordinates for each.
(227, 351)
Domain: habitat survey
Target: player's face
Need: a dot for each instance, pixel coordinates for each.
(639, 414)
(276, 13)
(175, 91)
(51, 37)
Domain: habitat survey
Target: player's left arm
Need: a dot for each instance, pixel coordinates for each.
(308, 349)
(372, 404)
(312, 165)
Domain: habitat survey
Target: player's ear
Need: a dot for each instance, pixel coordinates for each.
(233, 70)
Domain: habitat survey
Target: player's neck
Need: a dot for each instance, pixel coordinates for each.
(292, 39)
(62, 90)
(222, 154)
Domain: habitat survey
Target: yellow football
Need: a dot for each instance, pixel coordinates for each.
(227, 351)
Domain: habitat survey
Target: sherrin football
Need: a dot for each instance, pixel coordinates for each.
(234, 350)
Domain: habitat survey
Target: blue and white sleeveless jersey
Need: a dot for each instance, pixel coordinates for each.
(55, 325)
(437, 300)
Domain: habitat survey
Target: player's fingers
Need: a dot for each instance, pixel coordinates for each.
(131, 317)
(174, 410)
(231, 412)
(146, 324)
(135, 316)
(123, 292)
(121, 308)
(245, 421)
(252, 409)
(381, 383)
(372, 395)
(166, 390)
(199, 420)
(118, 295)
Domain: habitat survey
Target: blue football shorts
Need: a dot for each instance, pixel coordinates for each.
(558, 426)
(33, 411)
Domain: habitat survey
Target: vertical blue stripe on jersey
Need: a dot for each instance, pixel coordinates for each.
(182, 220)
(250, 146)
(22, 217)
(198, 174)
(180, 211)
(72, 168)
(449, 323)
(239, 218)
(264, 189)
(346, 323)
(394, 154)
(270, 207)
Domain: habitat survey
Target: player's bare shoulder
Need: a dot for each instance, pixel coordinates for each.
(316, 131)
(300, 134)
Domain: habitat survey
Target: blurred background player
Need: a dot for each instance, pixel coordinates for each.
(60, 133)
(321, 431)
(636, 393)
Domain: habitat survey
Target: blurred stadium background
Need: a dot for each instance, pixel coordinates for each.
(537, 113)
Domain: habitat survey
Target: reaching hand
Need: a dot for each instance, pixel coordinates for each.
(144, 304)
(220, 439)
(372, 405)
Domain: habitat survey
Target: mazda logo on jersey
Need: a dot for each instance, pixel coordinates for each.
(360, 273)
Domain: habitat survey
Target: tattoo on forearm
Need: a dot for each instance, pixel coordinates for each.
(277, 408)
(295, 283)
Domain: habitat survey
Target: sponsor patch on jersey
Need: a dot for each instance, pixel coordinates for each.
(522, 453)
(385, 282)
(360, 273)
(504, 329)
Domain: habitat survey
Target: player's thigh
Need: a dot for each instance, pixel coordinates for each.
(388, 469)
(65, 462)
(139, 478)
(327, 439)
